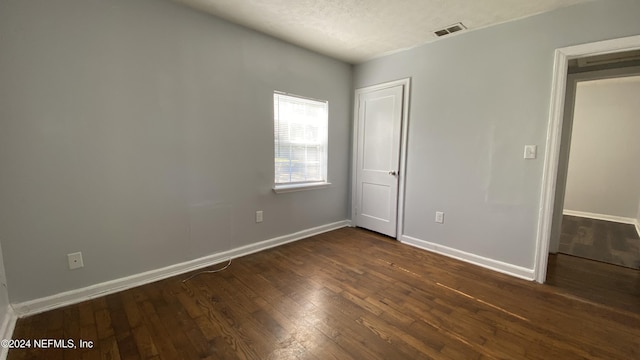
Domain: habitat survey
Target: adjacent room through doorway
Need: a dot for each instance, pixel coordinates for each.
(595, 242)
(603, 177)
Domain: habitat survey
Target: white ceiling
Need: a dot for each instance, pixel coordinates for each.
(359, 30)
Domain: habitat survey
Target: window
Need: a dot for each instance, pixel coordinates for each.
(300, 137)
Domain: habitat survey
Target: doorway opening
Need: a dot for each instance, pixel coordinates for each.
(578, 68)
(553, 146)
(598, 184)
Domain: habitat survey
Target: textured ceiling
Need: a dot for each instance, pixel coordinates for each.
(359, 30)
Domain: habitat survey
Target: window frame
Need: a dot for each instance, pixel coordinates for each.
(304, 185)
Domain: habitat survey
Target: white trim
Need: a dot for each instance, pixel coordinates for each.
(554, 130)
(287, 188)
(32, 307)
(406, 93)
(6, 329)
(605, 217)
(403, 156)
(491, 264)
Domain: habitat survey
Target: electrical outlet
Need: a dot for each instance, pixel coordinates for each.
(259, 217)
(440, 217)
(530, 151)
(75, 260)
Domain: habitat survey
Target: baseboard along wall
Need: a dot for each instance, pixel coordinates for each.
(605, 217)
(491, 264)
(7, 324)
(36, 306)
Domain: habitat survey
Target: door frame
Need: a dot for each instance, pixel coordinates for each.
(554, 135)
(406, 90)
(565, 142)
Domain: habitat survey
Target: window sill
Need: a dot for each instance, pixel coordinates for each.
(281, 189)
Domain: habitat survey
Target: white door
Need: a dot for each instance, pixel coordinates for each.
(379, 122)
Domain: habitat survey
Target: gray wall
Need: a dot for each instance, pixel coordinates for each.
(141, 133)
(604, 171)
(477, 99)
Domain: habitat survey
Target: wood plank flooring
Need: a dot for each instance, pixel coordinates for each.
(346, 294)
(600, 240)
(605, 284)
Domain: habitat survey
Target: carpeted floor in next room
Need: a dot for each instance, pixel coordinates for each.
(600, 240)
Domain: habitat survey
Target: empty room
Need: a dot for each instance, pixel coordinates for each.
(217, 179)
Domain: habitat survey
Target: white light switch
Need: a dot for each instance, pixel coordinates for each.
(530, 151)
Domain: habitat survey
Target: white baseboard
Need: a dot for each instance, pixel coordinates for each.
(584, 214)
(618, 219)
(495, 265)
(32, 307)
(6, 328)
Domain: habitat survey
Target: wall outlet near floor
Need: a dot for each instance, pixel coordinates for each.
(75, 260)
(259, 215)
(440, 217)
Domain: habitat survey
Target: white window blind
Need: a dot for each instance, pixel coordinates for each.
(300, 137)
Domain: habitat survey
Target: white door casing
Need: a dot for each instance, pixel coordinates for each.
(378, 156)
(554, 133)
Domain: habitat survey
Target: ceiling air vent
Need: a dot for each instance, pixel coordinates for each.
(450, 29)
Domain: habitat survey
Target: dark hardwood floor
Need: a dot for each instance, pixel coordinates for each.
(346, 294)
(600, 240)
(601, 283)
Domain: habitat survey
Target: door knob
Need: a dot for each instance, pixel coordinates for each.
(393, 173)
